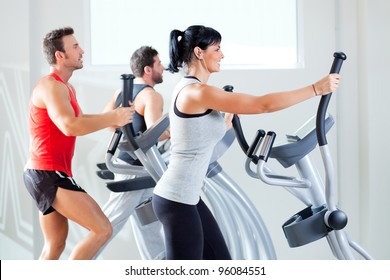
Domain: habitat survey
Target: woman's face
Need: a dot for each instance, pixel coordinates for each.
(212, 57)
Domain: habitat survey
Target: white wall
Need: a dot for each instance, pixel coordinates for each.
(358, 141)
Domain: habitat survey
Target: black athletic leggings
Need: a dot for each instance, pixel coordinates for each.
(191, 232)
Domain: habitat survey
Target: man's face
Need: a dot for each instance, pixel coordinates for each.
(157, 70)
(73, 53)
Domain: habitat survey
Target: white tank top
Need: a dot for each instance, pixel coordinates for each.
(193, 138)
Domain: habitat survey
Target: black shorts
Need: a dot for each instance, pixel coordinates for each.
(43, 184)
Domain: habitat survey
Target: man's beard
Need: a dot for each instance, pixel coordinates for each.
(157, 80)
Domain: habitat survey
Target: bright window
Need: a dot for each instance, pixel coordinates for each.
(255, 33)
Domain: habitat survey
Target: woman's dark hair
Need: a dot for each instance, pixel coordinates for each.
(53, 42)
(182, 44)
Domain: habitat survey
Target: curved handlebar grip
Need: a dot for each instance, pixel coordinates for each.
(267, 145)
(127, 95)
(338, 60)
(240, 134)
(237, 126)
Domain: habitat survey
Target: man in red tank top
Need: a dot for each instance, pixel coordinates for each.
(55, 119)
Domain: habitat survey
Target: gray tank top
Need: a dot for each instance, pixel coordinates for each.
(193, 138)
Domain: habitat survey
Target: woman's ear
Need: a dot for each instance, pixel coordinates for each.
(198, 52)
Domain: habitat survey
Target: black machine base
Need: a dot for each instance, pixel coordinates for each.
(306, 226)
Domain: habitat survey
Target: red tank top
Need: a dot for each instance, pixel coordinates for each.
(50, 149)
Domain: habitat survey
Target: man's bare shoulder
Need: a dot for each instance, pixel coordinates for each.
(44, 89)
(47, 83)
(150, 93)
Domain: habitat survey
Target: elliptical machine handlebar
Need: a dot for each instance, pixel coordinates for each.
(248, 150)
(334, 218)
(127, 95)
(128, 131)
(237, 126)
(339, 58)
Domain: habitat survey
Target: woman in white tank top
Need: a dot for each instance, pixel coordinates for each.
(196, 125)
